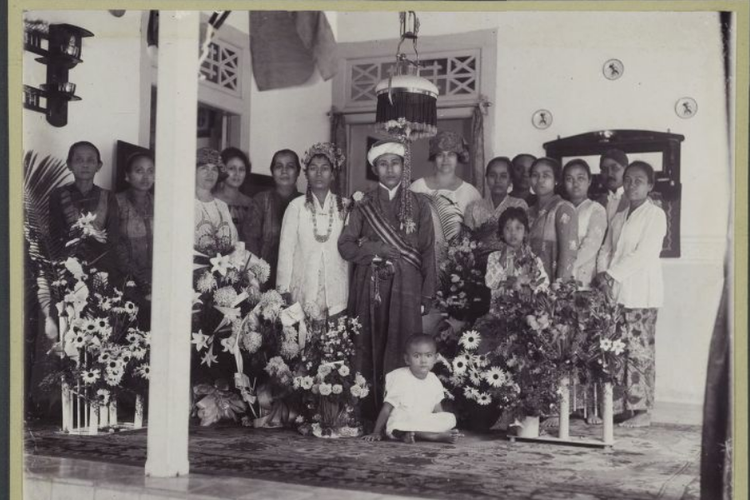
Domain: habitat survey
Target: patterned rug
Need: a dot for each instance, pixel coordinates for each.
(659, 462)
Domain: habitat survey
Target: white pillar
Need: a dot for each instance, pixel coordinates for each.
(176, 115)
(608, 431)
(564, 426)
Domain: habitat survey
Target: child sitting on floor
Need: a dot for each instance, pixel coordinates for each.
(411, 408)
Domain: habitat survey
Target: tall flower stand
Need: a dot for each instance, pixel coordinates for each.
(563, 437)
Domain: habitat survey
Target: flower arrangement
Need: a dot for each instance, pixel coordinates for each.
(462, 293)
(103, 351)
(330, 389)
(477, 377)
(238, 334)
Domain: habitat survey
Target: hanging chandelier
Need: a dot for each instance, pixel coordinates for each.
(407, 103)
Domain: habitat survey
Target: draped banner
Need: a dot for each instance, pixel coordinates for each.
(476, 175)
(338, 137)
(286, 47)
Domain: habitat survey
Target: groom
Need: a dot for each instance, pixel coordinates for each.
(390, 238)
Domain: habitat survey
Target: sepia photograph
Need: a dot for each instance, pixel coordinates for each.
(378, 253)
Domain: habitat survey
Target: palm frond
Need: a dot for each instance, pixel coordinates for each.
(448, 215)
(40, 179)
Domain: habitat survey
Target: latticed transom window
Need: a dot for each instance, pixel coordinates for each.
(456, 75)
(222, 67)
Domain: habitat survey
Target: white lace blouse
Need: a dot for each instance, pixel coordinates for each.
(461, 196)
(311, 270)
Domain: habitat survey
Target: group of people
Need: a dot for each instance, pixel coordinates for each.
(376, 256)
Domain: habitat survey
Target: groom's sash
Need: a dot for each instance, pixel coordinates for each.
(388, 234)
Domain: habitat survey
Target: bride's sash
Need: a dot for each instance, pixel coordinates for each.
(389, 235)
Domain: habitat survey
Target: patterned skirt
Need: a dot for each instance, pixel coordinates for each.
(637, 393)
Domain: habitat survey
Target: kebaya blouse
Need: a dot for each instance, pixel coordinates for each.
(592, 225)
(310, 265)
(630, 255)
(553, 236)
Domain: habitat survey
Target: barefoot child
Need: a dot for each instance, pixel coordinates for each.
(411, 410)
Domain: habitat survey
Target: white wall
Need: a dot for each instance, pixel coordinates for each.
(553, 60)
(108, 82)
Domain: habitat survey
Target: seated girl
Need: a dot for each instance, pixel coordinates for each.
(514, 264)
(411, 408)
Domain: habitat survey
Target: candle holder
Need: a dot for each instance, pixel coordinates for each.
(63, 52)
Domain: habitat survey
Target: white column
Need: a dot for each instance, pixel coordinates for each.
(564, 426)
(176, 115)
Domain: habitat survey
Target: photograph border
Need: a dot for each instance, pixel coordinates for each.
(738, 219)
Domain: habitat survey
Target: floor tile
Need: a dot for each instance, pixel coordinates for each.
(68, 491)
(37, 489)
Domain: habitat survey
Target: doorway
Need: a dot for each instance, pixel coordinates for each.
(363, 135)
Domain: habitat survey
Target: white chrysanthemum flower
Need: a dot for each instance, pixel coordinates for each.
(113, 378)
(360, 380)
(232, 277)
(260, 269)
(206, 282)
(356, 391)
(495, 377)
(605, 344)
(460, 364)
(337, 389)
(470, 340)
(484, 399)
(89, 326)
(144, 371)
(480, 360)
(252, 341)
(139, 352)
(325, 389)
(289, 350)
(469, 393)
(324, 370)
(618, 346)
(456, 380)
(307, 382)
(103, 395)
(225, 296)
(130, 308)
(475, 377)
(344, 370)
(90, 376)
(104, 357)
(364, 391)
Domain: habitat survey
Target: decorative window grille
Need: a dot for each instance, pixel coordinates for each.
(456, 75)
(222, 69)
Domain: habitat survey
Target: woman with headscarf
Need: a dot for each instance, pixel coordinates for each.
(390, 239)
(237, 167)
(310, 270)
(262, 230)
(449, 195)
(214, 230)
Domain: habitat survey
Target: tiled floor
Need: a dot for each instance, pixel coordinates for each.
(49, 478)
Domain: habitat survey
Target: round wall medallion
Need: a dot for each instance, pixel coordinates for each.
(542, 119)
(613, 69)
(686, 107)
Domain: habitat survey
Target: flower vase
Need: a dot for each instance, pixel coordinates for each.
(138, 418)
(93, 420)
(564, 413)
(104, 415)
(608, 435)
(529, 428)
(67, 408)
(113, 412)
(331, 414)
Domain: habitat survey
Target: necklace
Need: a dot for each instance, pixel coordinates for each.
(319, 238)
